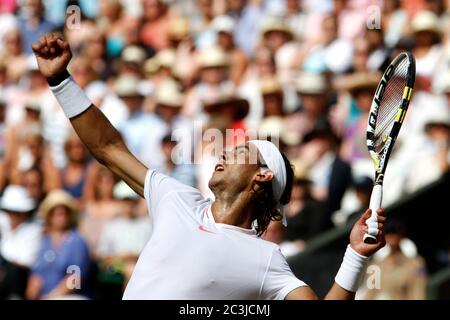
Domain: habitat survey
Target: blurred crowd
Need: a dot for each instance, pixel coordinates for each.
(302, 72)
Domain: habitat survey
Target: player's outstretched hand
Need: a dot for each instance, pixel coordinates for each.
(360, 228)
(53, 54)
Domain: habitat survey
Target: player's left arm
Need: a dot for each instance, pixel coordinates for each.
(359, 250)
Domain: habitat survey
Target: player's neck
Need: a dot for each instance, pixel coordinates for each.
(236, 210)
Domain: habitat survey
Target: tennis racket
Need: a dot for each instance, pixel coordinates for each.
(387, 113)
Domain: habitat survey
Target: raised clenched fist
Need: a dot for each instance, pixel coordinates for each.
(52, 54)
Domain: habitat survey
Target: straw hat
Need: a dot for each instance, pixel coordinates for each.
(178, 28)
(166, 58)
(133, 54)
(127, 86)
(426, 21)
(57, 198)
(275, 126)
(17, 199)
(270, 85)
(212, 57)
(151, 65)
(168, 93)
(301, 172)
(311, 83)
(275, 24)
(230, 104)
(357, 82)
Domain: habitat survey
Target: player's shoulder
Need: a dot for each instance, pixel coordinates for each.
(266, 245)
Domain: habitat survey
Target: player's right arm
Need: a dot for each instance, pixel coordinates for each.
(104, 142)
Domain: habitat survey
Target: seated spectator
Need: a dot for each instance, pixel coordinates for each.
(167, 118)
(427, 49)
(305, 215)
(155, 31)
(62, 249)
(402, 277)
(431, 159)
(123, 238)
(329, 174)
(224, 26)
(34, 24)
(361, 87)
(101, 206)
(213, 68)
(17, 60)
(19, 241)
(183, 172)
(74, 175)
(313, 91)
(32, 180)
(320, 56)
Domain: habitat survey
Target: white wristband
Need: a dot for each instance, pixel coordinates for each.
(352, 270)
(71, 97)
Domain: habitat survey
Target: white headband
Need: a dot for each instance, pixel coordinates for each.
(275, 162)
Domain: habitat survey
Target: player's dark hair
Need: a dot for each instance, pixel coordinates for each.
(266, 207)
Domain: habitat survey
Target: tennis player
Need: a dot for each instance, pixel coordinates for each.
(199, 248)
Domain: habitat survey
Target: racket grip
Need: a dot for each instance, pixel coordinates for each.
(372, 222)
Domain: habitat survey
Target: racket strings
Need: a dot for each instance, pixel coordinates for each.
(390, 103)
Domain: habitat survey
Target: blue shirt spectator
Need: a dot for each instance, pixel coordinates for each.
(33, 24)
(71, 257)
(62, 265)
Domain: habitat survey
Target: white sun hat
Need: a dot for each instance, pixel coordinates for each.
(122, 191)
(17, 199)
(223, 23)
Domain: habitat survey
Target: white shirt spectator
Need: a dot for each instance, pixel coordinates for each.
(21, 245)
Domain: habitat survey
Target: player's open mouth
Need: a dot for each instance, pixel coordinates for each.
(219, 167)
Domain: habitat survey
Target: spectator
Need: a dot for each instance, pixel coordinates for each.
(320, 55)
(402, 277)
(313, 92)
(100, 207)
(224, 26)
(427, 50)
(74, 174)
(136, 124)
(155, 31)
(62, 249)
(431, 159)
(33, 25)
(361, 87)
(19, 242)
(168, 118)
(31, 151)
(110, 22)
(247, 16)
(394, 21)
(33, 181)
(183, 172)
(261, 67)
(120, 254)
(213, 68)
(94, 49)
(273, 98)
(330, 175)
(13, 53)
(305, 215)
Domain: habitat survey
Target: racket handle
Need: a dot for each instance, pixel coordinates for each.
(372, 223)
